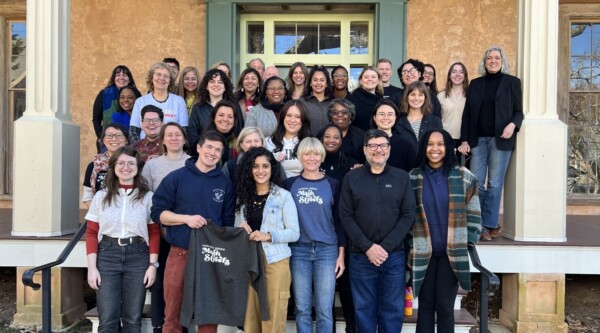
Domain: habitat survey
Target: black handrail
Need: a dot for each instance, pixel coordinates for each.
(46, 281)
(489, 285)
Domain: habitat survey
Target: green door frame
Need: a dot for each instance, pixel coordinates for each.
(222, 31)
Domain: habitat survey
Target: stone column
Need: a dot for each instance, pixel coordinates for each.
(46, 160)
(535, 191)
(46, 141)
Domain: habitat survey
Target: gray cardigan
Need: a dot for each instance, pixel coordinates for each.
(262, 118)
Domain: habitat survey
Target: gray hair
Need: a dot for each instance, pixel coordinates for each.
(505, 67)
(259, 60)
(345, 103)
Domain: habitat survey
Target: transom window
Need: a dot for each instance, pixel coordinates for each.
(324, 39)
(584, 109)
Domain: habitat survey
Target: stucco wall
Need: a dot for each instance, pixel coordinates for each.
(136, 33)
(442, 32)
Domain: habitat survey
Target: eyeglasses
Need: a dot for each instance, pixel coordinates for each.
(114, 136)
(340, 113)
(163, 76)
(275, 88)
(411, 71)
(426, 73)
(373, 146)
(151, 121)
(340, 76)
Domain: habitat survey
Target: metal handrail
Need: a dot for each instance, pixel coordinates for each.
(27, 278)
(490, 283)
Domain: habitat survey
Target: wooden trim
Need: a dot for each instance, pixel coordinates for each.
(13, 9)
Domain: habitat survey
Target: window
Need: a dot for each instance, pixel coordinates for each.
(584, 109)
(324, 39)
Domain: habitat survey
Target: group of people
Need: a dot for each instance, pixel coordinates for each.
(333, 185)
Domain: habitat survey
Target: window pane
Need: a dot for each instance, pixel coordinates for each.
(353, 76)
(581, 72)
(359, 38)
(579, 104)
(17, 65)
(285, 38)
(256, 38)
(329, 38)
(596, 39)
(307, 38)
(580, 39)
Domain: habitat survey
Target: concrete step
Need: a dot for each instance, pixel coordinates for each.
(463, 322)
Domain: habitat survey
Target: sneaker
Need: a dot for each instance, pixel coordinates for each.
(485, 234)
(495, 232)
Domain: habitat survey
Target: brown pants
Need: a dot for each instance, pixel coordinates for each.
(278, 279)
(173, 286)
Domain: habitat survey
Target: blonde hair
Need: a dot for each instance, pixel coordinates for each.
(181, 89)
(246, 131)
(151, 71)
(222, 63)
(310, 145)
(379, 88)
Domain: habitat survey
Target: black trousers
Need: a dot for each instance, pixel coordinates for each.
(157, 292)
(437, 296)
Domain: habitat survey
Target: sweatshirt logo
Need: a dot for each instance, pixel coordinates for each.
(218, 195)
(213, 254)
(307, 195)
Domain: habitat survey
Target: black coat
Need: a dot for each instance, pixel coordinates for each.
(509, 108)
(428, 122)
(364, 102)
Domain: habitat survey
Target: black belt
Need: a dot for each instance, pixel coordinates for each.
(124, 241)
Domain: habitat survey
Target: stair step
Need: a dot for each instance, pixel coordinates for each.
(463, 322)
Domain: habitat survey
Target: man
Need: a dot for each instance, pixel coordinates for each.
(174, 65)
(377, 210)
(410, 71)
(152, 121)
(257, 64)
(384, 66)
(186, 199)
(269, 72)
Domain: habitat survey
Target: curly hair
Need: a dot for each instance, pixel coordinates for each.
(450, 160)
(117, 70)
(111, 184)
(150, 76)
(239, 93)
(277, 137)
(427, 107)
(211, 74)
(246, 186)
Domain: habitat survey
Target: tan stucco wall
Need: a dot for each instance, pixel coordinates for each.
(106, 33)
(442, 32)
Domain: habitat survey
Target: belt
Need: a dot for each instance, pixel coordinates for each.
(124, 241)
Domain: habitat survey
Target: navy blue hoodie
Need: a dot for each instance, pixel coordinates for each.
(189, 191)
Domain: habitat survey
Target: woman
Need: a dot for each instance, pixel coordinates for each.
(341, 114)
(416, 110)
(269, 215)
(250, 137)
(336, 165)
(318, 255)
(265, 115)
(402, 153)
(339, 77)
(188, 87)
(429, 76)
(173, 141)
(296, 79)
(492, 117)
(160, 80)
(292, 128)
(106, 101)
(412, 71)
(247, 91)
(122, 244)
(223, 66)
(215, 86)
(127, 97)
(227, 122)
(366, 96)
(447, 220)
(317, 97)
(114, 136)
(453, 99)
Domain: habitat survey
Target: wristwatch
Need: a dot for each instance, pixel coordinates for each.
(155, 264)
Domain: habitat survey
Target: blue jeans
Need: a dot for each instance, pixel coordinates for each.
(488, 160)
(313, 266)
(378, 293)
(122, 292)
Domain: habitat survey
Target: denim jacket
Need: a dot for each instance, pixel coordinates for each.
(280, 218)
